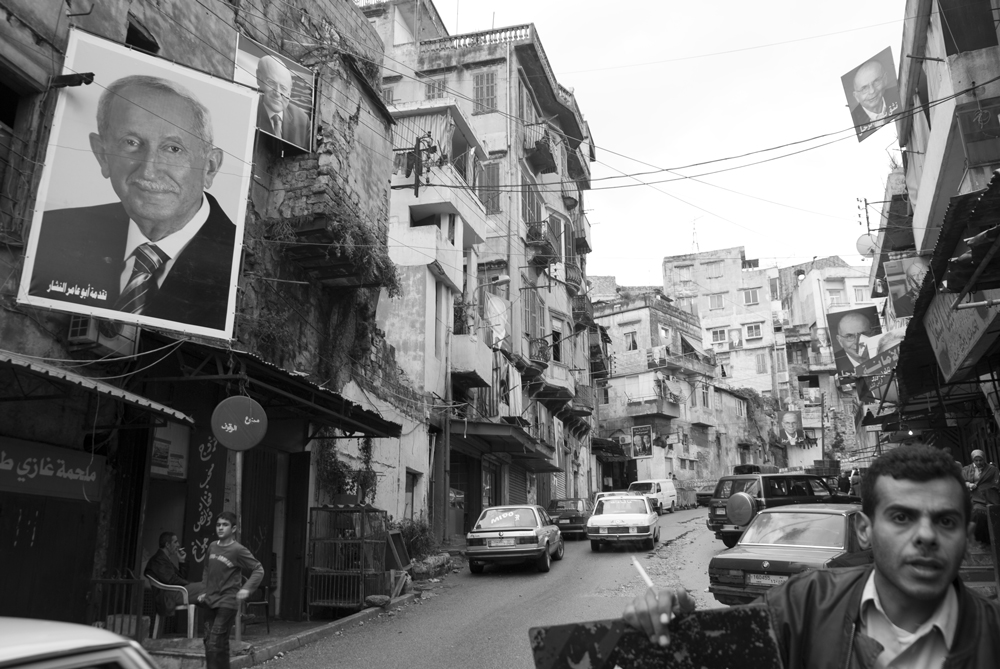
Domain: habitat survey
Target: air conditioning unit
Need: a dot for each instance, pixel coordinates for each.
(102, 337)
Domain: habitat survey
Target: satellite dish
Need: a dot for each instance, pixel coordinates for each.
(866, 245)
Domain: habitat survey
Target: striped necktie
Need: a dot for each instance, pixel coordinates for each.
(276, 123)
(140, 288)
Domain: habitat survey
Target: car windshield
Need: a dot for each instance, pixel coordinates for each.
(797, 529)
(728, 487)
(612, 505)
(504, 518)
(566, 505)
(640, 487)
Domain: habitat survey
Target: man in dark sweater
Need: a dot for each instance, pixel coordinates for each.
(224, 588)
(168, 566)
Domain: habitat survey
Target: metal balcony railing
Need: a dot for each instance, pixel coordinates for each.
(574, 276)
(585, 396)
(542, 238)
(583, 314)
(539, 350)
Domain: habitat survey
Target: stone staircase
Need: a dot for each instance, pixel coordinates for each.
(978, 571)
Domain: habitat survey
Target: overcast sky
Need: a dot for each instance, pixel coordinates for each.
(665, 84)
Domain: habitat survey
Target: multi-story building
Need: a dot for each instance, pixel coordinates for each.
(736, 302)
(518, 430)
(942, 208)
(663, 386)
(116, 406)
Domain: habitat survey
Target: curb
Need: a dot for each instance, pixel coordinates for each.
(265, 653)
(180, 659)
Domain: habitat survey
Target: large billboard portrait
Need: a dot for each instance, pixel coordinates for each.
(143, 195)
(286, 92)
(790, 432)
(904, 278)
(852, 331)
(642, 441)
(872, 93)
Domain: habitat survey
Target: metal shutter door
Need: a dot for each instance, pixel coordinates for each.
(517, 484)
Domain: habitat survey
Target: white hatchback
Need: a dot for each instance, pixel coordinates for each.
(623, 519)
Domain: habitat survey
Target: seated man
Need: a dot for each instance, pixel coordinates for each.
(983, 481)
(168, 566)
(909, 609)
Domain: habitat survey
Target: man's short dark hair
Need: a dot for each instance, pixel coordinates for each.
(917, 462)
(228, 515)
(165, 538)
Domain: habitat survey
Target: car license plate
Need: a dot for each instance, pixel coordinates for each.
(766, 579)
(564, 522)
(633, 530)
(719, 511)
(501, 542)
(603, 530)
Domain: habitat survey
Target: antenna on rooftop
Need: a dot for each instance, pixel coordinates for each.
(694, 236)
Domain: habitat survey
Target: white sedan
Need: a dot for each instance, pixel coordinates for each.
(627, 518)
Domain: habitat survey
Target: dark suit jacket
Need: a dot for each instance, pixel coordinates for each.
(163, 570)
(800, 438)
(863, 125)
(85, 247)
(294, 125)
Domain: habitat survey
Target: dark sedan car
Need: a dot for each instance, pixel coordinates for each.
(782, 542)
(703, 494)
(571, 515)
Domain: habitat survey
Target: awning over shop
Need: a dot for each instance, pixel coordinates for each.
(494, 437)
(608, 450)
(536, 464)
(56, 377)
(281, 391)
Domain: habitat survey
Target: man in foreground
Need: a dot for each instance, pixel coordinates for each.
(907, 610)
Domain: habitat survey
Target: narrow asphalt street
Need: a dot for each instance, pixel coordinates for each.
(482, 621)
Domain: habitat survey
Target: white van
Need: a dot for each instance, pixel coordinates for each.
(661, 492)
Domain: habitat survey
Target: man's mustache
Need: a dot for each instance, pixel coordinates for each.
(153, 186)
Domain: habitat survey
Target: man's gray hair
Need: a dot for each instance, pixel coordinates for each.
(202, 117)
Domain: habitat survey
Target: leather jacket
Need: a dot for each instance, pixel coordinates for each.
(803, 608)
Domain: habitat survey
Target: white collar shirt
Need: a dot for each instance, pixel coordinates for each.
(925, 648)
(172, 245)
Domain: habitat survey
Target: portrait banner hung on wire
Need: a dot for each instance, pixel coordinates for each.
(142, 199)
(852, 330)
(904, 277)
(642, 441)
(286, 90)
(872, 93)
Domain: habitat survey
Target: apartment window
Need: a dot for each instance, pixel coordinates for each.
(761, 363)
(451, 228)
(704, 396)
(489, 188)
(775, 289)
(754, 331)
(532, 307)
(719, 336)
(630, 342)
(859, 295)
(694, 397)
(715, 301)
(713, 270)
(781, 359)
(751, 296)
(664, 334)
(434, 89)
(484, 92)
(387, 96)
(835, 296)
(724, 371)
(603, 394)
(741, 408)
(557, 340)
(684, 273)
(531, 203)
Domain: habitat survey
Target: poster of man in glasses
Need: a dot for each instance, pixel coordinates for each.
(852, 329)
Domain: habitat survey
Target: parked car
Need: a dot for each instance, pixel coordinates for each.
(661, 493)
(703, 494)
(623, 519)
(513, 534)
(737, 499)
(782, 542)
(571, 515)
(598, 496)
(46, 644)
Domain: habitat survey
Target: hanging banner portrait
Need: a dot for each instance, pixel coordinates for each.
(642, 441)
(790, 432)
(735, 339)
(872, 93)
(286, 89)
(875, 378)
(140, 209)
(904, 278)
(851, 331)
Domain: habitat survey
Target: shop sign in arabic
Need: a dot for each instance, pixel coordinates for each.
(239, 423)
(207, 479)
(959, 337)
(37, 469)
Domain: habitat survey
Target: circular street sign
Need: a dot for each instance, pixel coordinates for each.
(239, 423)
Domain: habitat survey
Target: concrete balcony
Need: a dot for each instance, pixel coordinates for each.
(634, 362)
(822, 362)
(428, 244)
(655, 405)
(534, 357)
(542, 238)
(574, 277)
(703, 416)
(555, 387)
(471, 361)
(539, 150)
(583, 311)
(581, 241)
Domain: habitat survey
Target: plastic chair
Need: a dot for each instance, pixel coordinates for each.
(158, 620)
(264, 602)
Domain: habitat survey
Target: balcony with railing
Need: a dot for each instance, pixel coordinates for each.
(471, 356)
(581, 234)
(574, 276)
(583, 312)
(543, 239)
(539, 149)
(660, 358)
